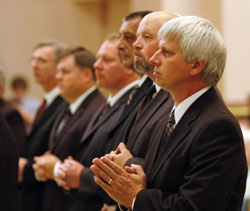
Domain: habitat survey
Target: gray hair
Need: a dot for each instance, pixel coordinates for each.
(199, 40)
(57, 46)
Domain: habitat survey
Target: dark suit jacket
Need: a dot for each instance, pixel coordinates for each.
(93, 145)
(8, 168)
(67, 143)
(15, 122)
(117, 134)
(140, 128)
(202, 165)
(37, 144)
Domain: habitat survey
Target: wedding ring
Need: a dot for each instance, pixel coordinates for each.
(110, 180)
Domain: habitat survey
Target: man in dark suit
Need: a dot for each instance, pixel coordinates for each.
(197, 159)
(127, 34)
(76, 80)
(43, 62)
(154, 105)
(8, 167)
(13, 117)
(113, 76)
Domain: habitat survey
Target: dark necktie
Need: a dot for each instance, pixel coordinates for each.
(170, 123)
(132, 94)
(166, 134)
(41, 110)
(66, 117)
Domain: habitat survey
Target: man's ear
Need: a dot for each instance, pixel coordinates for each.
(197, 67)
(88, 73)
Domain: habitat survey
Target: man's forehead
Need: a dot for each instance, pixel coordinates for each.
(108, 48)
(130, 26)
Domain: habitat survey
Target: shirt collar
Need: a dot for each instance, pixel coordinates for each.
(184, 105)
(158, 88)
(51, 95)
(142, 80)
(112, 100)
(76, 104)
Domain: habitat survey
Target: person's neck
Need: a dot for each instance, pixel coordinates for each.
(180, 94)
(74, 96)
(49, 86)
(150, 75)
(121, 86)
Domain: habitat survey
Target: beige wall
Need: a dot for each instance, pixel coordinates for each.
(25, 22)
(236, 28)
(87, 22)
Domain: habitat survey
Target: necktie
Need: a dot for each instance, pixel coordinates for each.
(132, 94)
(170, 123)
(166, 134)
(40, 111)
(66, 117)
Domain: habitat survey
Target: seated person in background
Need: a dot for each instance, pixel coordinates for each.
(26, 106)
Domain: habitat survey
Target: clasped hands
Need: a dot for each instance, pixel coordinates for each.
(66, 175)
(121, 184)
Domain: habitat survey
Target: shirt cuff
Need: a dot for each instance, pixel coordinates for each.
(129, 209)
(55, 171)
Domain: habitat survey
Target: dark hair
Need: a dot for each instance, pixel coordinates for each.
(83, 57)
(137, 14)
(19, 82)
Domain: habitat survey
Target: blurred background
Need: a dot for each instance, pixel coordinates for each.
(87, 22)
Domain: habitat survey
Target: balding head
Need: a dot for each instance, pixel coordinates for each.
(147, 39)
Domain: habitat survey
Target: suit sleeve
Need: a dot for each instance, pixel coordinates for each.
(17, 126)
(216, 167)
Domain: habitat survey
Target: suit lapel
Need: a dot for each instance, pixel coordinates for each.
(93, 127)
(46, 115)
(137, 98)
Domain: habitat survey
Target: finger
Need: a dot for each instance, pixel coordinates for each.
(70, 162)
(113, 168)
(139, 170)
(60, 182)
(97, 171)
(62, 168)
(66, 187)
(130, 170)
(47, 153)
(110, 156)
(69, 158)
(35, 166)
(36, 158)
(122, 147)
(102, 184)
(60, 174)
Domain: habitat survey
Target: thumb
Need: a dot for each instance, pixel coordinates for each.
(122, 147)
(139, 170)
(70, 158)
(47, 153)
